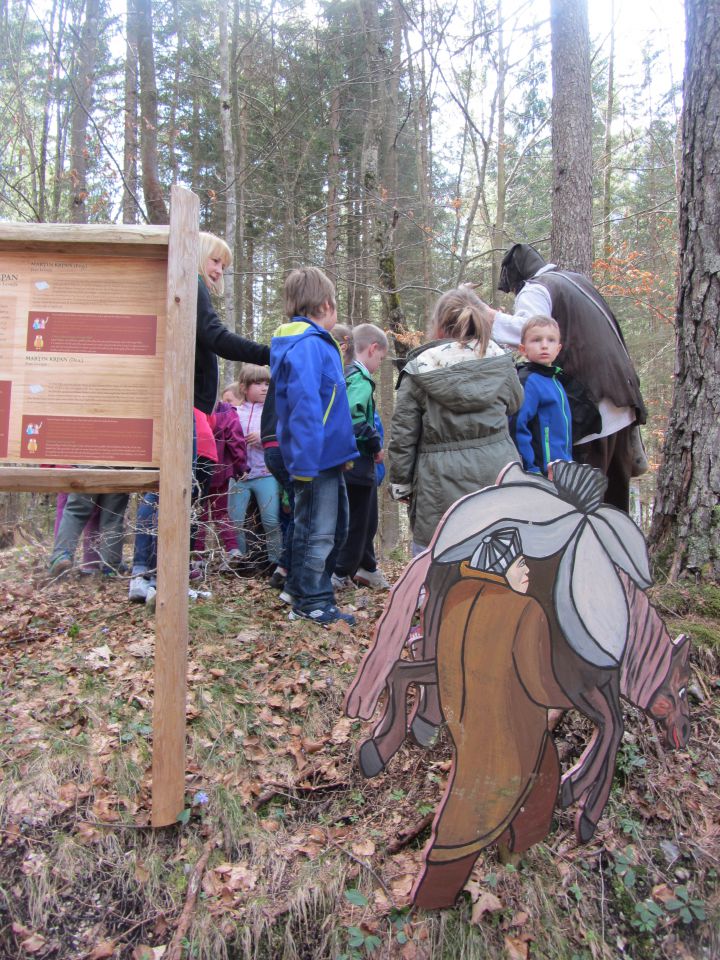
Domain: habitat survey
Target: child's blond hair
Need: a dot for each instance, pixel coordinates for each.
(366, 334)
(538, 321)
(344, 336)
(307, 290)
(212, 246)
(251, 373)
(461, 315)
(232, 387)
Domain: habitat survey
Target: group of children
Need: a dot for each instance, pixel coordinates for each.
(305, 431)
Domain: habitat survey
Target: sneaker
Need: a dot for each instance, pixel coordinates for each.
(151, 599)
(227, 565)
(277, 580)
(139, 589)
(60, 565)
(372, 578)
(341, 583)
(286, 597)
(324, 616)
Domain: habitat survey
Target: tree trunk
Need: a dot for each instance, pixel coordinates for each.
(152, 188)
(686, 523)
(49, 93)
(83, 82)
(228, 159)
(421, 124)
(331, 230)
(571, 241)
(498, 229)
(609, 110)
(241, 60)
(130, 149)
(179, 68)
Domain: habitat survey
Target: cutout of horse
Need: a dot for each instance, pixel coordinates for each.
(495, 654)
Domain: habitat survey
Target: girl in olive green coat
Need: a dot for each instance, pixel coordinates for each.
(449, 432)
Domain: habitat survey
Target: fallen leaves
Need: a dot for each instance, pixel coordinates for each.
(486, 902)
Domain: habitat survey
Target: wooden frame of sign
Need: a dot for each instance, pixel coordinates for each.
(151, 247)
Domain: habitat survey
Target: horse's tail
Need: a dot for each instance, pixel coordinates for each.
(390, 636)
(648, 652)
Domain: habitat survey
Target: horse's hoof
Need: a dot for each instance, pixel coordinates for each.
(584, 828)
(371, 763)
(423, 733)
(567, 795)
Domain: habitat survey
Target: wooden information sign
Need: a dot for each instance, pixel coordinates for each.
(97, 346)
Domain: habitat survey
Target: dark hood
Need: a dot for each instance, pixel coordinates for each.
(519, 264)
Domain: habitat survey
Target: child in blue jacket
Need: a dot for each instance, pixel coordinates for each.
(542, 427)
(315, 435)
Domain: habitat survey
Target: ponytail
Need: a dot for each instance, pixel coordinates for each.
(461, 315)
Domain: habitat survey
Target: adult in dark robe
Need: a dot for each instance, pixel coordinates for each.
(593, 352)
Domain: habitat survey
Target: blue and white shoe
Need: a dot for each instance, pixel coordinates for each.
(323, 615)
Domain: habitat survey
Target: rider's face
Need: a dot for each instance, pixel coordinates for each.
(517, 575)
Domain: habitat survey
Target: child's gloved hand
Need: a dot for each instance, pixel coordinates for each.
(400, 491)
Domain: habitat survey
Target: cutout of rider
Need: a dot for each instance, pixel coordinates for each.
(488, 622)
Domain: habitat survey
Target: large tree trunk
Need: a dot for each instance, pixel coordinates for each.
(331, 230)
(686, 521)
(228, 143)
(571, 241)
(152, 188)
(83, 83)
(609, 111)
(421, 126)
(497, 237)
(130, 150)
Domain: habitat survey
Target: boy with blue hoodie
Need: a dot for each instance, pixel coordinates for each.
(542, 427)
(315, 435)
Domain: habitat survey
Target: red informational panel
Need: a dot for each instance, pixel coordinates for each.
(82, 341)
(69, 333)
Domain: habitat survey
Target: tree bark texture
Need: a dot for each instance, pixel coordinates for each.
(152, 188)
(228, 143)
(686, 520)
(83, 83)
(609, 111)
(331, 230)
(130, 147)
(571, 240)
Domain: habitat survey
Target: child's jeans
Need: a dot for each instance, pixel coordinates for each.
(214, 507)
(145, 549)
(267, 495)
(91, 558)
(321, 525)
(276, 465)
(77, 512)
(362, 518)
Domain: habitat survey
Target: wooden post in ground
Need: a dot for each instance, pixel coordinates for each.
(171, 627)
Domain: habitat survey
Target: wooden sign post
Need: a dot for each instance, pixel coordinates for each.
(97, 345)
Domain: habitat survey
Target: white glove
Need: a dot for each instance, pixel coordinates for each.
(400, 491)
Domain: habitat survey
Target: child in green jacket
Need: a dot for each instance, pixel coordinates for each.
(370, 348)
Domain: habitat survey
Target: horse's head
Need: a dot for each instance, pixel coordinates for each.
(669, 705)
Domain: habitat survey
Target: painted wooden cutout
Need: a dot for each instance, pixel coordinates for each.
(531, 597)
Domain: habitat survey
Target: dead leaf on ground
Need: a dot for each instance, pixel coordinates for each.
(341, 730)
(516, 949)
(33, 944)
(105, 948)
(363, 848)
(486, 903)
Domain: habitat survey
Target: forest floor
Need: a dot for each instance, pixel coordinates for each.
(293, 853)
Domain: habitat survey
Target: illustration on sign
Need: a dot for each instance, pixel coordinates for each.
(531, 596)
